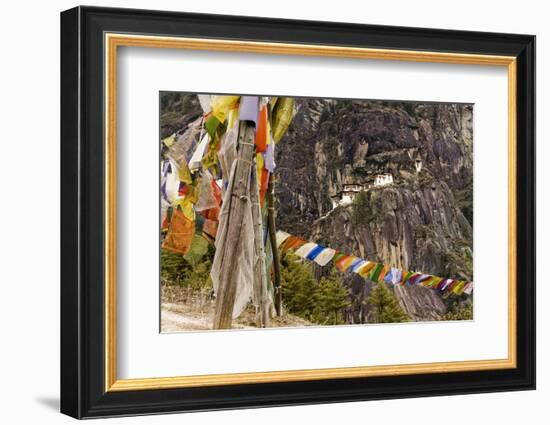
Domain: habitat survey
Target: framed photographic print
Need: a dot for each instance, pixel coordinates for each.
(261, 212)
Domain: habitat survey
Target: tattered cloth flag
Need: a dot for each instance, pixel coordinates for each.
(180, 233)
(281, 237)
(325, 256)
(305, 249)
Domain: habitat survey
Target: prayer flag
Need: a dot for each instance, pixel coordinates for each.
(468, 288)
(248, 109)
(315, 252)
(269, 157)
(282, 117)
(204, 100)
(281, 237)
(169, 141)
(195, 161)
(180, 233)
(325, 256)
(221, 106)
(305, 249)
(345, 262)
(365, 269)
(358, 265)
(375, 274)
(261, 131)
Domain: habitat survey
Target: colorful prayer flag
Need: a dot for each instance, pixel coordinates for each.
(325, 256)
(281, 237)
(315, 252)
(305, 249)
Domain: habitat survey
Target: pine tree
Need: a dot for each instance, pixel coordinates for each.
(384, 307)
(299, 287)
(332, 298)
(319, 302)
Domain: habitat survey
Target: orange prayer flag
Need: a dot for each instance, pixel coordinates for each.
(292, 242)
(261, 130)
(345, 262)
(180, 233)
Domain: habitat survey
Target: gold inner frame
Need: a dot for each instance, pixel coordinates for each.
(113, 41)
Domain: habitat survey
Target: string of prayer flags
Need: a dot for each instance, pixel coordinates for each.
(377, 272)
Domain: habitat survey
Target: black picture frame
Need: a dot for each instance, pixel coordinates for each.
(83, 392)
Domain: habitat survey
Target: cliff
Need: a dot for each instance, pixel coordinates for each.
(421, 221)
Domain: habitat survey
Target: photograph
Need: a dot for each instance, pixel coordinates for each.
(281, 212)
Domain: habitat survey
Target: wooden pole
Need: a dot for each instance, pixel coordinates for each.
(240, 202)
(260, 272)
(273, 239)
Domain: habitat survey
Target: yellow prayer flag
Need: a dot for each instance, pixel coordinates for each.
(259, 167)
(221, 106)
(184, 173)
(232, 117)
(186, 207)
(459, 287)
(169, 141)
(282, 117)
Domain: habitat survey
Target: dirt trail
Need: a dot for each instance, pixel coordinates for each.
(185, 310)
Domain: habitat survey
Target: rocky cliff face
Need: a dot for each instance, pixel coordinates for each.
(422, 221)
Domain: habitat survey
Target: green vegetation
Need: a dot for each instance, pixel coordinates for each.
(363, 212)
(384, 307)
(465, 201)
(177, 270)
(459, 309)
(459, 261)
(320, 302)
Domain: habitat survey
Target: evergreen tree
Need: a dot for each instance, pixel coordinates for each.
(299, 287)
(319, 302)
(384, 307)
(332, 298)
